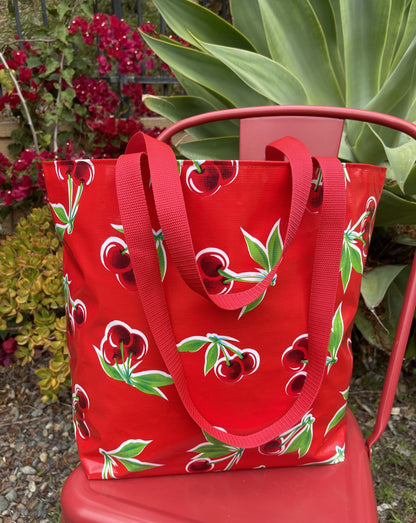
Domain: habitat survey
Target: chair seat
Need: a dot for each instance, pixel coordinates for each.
(319, 493)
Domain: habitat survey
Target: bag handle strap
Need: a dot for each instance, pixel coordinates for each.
(325, 277)
(171, 211)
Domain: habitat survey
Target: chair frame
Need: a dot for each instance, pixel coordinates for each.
(169, 499)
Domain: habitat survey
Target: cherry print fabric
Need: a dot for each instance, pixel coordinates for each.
(248, 364)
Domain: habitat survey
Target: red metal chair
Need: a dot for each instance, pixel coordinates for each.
(321, 493)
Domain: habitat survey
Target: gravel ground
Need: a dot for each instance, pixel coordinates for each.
(37, 449)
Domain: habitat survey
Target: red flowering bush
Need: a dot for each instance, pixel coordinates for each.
(61, 91)
(115, 40)
(22, 179)
(60, 87)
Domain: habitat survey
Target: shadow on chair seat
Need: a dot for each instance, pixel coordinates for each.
(319, 493)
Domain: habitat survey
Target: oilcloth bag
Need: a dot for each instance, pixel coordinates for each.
(209, 312)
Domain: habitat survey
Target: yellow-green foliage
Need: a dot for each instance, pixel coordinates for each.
(32, 298)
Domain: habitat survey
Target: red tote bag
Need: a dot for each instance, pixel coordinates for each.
(210, 306)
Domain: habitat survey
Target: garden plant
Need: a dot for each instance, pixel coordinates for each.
(61, 84)
(263, 58)
(67, 108)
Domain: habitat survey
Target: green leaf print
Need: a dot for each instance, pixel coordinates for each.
(249, 307)
(274, 245)
(161, 253)
(150, 381)
(337, 333)
(216, 452)
(60, 212)
(299, 438)
(130, 448)
(346, 266)
(356, 260)
(110, 370)
(192, 344)
(125, 456)
(301, 442)
(211, 356)
(60, 230)
(339, 415)
(257, 251)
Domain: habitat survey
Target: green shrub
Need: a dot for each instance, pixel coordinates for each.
(57, 84)
(32, 299)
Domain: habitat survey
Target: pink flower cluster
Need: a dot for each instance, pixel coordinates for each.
(102, 104)
(23, 178)
(115, 39)
(7, 349)
(99, 109)
(95, 94)
(24, 75)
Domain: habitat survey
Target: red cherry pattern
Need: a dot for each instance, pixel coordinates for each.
(79, 312)
(207, 177)
(75, 310)
(203, 178)
(212, 453)
(81, 171)
(316, 196)
(229, 370)
(115, 256)
(295, 359)
(127, 280)
(296, 356)
(228, 171)
(272, 448)
(83, 401)
(118, 334)
(78, 173)
(66, 168)
(316, 193)
(232, 369)
(295, 384)
(70, 327)
(116, 259)
(200, 465)
(122, 344)
(83, 429)
(80, 406)
(250, 361)
(210, 262)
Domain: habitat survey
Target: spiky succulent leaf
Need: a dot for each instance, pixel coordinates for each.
(323, 52)
(185, 17)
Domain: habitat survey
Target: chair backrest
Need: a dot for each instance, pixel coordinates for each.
(320, 128)
(322, 136)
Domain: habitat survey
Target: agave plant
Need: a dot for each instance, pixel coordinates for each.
(351, 53)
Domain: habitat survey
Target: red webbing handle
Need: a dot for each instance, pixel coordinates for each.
(139, 237)
(345, 113)
(171, 211)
